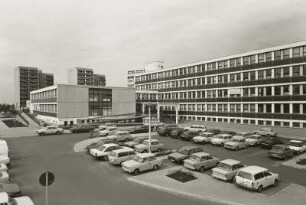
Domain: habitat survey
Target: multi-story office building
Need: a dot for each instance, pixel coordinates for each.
(27, 79)
(85, 76)
(131, 76)
(67, 104)
(262, 87)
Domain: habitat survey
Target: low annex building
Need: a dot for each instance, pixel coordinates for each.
(66, 104)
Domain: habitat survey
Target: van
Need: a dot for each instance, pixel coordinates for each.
(4, 151)
(116, 157)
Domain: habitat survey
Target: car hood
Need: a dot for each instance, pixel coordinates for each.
(216, 140)
(130, 163)
(11, 188)
(24, 200)
(140, 146)
(177, 155)
(193, 162)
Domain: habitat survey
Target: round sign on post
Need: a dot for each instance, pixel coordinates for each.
(46, 179)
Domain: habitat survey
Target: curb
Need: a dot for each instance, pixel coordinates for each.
(176, 192)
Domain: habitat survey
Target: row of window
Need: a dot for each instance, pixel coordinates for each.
(44, 94)
(51, 108)
(246, 60)
(271, 73)
(279, 90)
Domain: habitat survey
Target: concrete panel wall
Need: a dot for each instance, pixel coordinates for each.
(123, 101)
(72, 101)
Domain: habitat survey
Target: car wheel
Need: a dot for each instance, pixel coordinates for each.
(58, 133)
(105, 158)
(236, 148)
(42, 133)
(202, 169)
(155, 167)
(136, 172)
(222, 145)
(259, 189)
(275, 182)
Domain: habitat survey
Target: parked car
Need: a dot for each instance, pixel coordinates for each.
(256, 178)
(121, 136)
(165, 130)
(3, 168)
(50, 130)
(220, 139)
(188, 135)
(5, 199)
(280, 151)
(82, 128)
(297, 146)
(136, 141)
(175, 133)
(140, 129)
(214, 131)
(268, 142)
(254, 139)
(142, 162)
(201, 161)
(236, 143)
(266, 132)
(227, 169)
(184, 153)
(103, 151)
(99, 143)
(107, 131)
(4, 150)
(12, 190)
(203, 138)
(196, 128)
(144, 147)
(118, 156)
(4, 177)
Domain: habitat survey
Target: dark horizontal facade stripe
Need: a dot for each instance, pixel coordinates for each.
(230, 69)
(46, 100)
(45, 113)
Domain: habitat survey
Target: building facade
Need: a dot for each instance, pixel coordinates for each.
(66, 104)
(27, 79)
(131, 77)
(85, 76)
(262, 87)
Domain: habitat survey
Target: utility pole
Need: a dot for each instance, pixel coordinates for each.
(150, 128)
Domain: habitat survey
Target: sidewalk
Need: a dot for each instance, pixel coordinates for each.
(18, 132)
(291, 133)
(209, 189)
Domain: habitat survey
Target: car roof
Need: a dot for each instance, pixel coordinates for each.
(123, 149)
(110, 145)
(297, 141)
(152, 140)
(238, 137)
(145, 155)
(254, 169)
(201, 154)
(230, 161)
(225, 134)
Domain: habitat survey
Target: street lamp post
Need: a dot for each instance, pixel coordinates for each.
(150, 128)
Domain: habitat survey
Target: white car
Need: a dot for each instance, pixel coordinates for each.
(196, 128)
(50, 130)
(297, 146)
(203, 138)
(226, 169)
(121, 136)
(5, 199)
(4, 160)
(119, 156)
(107, 131)
(4, 150)
(256, 178)
(221, 139)
(3, 168)
(142, 162)
(265, 131)
(254, 139)
(4, 177)
(236, 143)
(144, 147)
(104, 150)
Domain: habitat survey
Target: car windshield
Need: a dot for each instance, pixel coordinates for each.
(296, 144)
(277, 148)
(225, 166)
(184, 150)
(194, 157)
(101, 148)
(138, 159)
(245, 175)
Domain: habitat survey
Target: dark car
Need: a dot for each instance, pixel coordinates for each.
(166, 129)
(82, 128)
(188, 135)
(268, 142)
(12, 190)
(214, 131)
(140, 129)
(99, 143)
(175, 133)
(183, 153)
(281, 151)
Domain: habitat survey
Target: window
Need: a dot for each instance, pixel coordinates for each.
(277, 108)
(268, 108)
(304, 70)
(245, 76)
(225, 78)
(277, 90)
(252, 108)
(252, 74)
(252, 91)
(268, 56)
(260, 74)
(296, 70)
(286, 89)
(268, 91)
(259, 176)
(238, 75)
(286, 108)
(261, 58)
(296, 89)
(268, 73)
(304, 108)
(252, 59)
(232, 62)
(245, 108)
(261, 91)
(286, 53)
(246, 60)
(296, 108)
(304, 50)
(296, 52)
(277, 72)
(304, 89)
(286, 72)
(277, 55)
(232, 77)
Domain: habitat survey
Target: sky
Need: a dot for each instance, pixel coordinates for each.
(115, 36)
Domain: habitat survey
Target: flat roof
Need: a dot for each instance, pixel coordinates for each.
(230, 161)
(201, 154)
(254, 169)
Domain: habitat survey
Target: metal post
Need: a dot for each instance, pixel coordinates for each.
(47, 188)
(149, 128)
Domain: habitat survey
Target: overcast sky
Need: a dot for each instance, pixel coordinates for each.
(114, 36)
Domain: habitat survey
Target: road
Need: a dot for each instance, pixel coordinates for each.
(79, 179)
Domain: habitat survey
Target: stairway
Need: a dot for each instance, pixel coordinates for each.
(30, 121)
